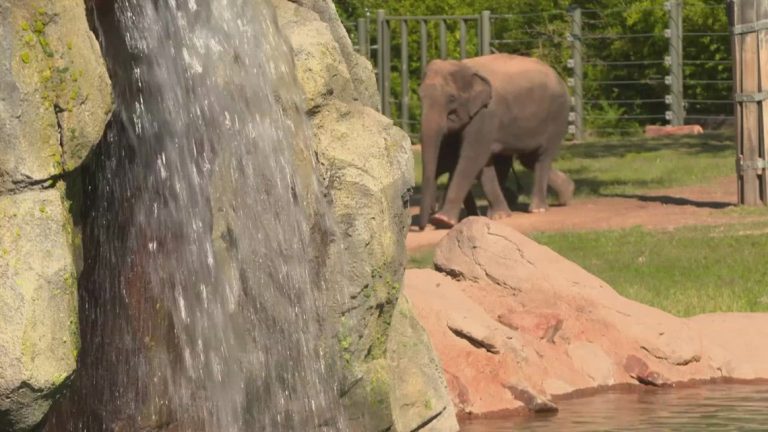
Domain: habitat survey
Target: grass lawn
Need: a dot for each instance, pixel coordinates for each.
(688, 271)
(628, 166)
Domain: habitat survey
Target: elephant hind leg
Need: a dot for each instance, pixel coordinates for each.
(560, 182)
(563, 185)
(498, 204)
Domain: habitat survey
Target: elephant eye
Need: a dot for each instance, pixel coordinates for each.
(452, 98)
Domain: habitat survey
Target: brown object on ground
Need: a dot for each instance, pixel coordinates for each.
(661, 209)
(516, 326)
(657, 131)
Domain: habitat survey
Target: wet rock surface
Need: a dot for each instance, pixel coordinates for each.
(55, 99)
(365, 165)
(570, 331)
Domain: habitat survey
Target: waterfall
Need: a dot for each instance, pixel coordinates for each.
(202, 290)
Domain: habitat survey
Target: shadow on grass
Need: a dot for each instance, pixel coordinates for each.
(709, 143)
(678, 201)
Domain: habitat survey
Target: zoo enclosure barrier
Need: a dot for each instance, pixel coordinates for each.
(658, 96)
(748, 21)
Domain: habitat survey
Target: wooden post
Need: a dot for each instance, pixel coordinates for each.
(749, 28)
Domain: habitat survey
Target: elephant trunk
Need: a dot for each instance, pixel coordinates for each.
(432, 133)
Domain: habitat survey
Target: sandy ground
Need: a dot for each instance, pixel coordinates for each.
(660, 209)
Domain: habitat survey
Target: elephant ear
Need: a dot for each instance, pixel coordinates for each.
(479, 93)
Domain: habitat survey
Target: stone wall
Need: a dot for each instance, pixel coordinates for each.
(55, 98)
(392, 378)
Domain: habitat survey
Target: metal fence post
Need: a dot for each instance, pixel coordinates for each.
(380, 15)
(423, 45)
(577, 110)
(675, 80)
(443, 43)
(405, 90)
(363, 45)
(485, 32)
(462, 39)
(384, 61)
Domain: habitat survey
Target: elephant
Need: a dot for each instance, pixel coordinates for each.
(486, 107)
(446, 163)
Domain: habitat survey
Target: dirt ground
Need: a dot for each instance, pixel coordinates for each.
(659, 209)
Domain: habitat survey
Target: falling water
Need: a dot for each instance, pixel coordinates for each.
(202, 288)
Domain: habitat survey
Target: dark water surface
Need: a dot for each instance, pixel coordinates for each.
(701, 408)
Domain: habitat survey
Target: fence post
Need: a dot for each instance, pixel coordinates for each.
(405, 89)
(380, 15)
(443, 43)
(485, 32)
(462, 38)
(577, 113)
(384, 63)
(675, 34)
(749, 35)
(423, 45)
(363, 45)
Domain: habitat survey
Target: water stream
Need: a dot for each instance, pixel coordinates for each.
(202, 290)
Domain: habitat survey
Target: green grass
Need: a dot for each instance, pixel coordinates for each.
(633, 165)
(421, 258)
(687, 271)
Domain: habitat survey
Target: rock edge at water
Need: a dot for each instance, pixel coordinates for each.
(516, 326)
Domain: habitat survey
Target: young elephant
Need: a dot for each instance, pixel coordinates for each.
(498, 105)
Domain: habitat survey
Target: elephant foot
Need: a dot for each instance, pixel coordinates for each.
(537, 208)
(440, 221)
(499, 214)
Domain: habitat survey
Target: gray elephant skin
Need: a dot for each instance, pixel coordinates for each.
(489, 108)
(448, 157)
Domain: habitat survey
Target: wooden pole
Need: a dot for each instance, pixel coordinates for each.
(750, 81)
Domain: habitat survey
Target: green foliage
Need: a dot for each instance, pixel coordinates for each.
(540, 29)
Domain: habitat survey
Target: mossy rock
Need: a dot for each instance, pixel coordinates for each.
(56, 87)
(38, 305)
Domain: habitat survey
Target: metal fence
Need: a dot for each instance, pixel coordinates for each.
(610, 95)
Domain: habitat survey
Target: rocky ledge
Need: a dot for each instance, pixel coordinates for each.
(518, 327)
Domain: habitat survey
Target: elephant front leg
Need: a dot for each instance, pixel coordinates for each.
(499, 208)
(462, 178)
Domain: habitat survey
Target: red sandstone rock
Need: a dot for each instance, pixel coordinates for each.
(516, 326)
(656, 131)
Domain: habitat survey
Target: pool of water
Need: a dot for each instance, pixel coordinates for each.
(701, 408)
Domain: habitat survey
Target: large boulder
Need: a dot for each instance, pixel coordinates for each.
(360, 69)
(55, 98)
(516, 326)
(366, 168)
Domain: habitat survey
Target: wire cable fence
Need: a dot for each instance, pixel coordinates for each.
(652, 62)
